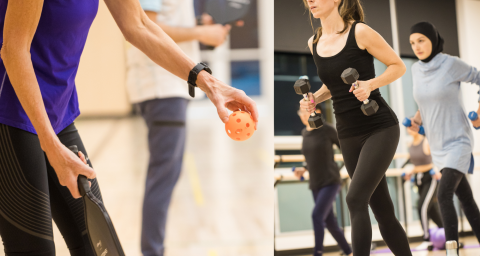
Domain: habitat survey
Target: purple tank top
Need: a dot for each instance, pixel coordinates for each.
(56, 49)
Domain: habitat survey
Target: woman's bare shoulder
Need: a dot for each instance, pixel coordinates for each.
(310, 43)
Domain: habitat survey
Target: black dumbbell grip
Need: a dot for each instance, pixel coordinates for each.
(356, 87)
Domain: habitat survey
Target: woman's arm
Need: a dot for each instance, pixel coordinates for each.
(417, 118)
(462, 72)
(21, 21)
(426, 147)
(147, 36)
(369, 39)
(319, 96)
(213, 35)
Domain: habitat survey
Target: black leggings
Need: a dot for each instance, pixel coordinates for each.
(427, 202)
(454, 181)
(367, 158)
(30, 195)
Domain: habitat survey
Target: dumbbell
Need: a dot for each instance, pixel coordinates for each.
(350, 76)
(302, 87)
(407, 123)
(473, 116)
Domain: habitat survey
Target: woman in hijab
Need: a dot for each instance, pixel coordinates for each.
(436, 89)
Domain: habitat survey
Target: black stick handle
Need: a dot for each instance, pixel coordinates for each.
(82, 181)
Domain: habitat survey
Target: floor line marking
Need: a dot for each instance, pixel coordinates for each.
(212, 252)
(192, 172)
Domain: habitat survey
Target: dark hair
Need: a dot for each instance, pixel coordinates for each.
(350, 10)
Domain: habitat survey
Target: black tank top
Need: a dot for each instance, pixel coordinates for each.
(350, 119)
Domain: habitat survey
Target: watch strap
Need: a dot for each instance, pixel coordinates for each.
(192, 77)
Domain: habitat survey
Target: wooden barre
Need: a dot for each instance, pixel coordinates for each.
(394, 172)
(336, 157)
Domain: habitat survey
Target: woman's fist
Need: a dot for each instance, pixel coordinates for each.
(308, 105)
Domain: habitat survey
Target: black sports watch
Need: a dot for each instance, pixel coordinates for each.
(192, 77)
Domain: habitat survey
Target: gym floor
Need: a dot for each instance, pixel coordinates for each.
(223, 202)
(468, 241)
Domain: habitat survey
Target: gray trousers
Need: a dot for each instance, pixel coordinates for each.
(165, 119)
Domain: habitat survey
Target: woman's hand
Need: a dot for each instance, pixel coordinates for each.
(414, 127)
(68, 166)
(408, 174)
(299, 171)
(226, 97)
(476, 123)
(437, 175)
(308, 105)
(363, 90)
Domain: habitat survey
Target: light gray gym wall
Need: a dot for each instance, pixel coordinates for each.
(441, 13)
(469, 36)
(292, 25)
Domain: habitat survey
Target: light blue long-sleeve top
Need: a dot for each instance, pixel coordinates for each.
(436, 89)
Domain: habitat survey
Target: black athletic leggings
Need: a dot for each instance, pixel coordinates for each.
(367, 158)
(427, 202)
(30, 195)
(454, 181)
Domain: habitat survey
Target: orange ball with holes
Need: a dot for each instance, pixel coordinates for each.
(240, 126)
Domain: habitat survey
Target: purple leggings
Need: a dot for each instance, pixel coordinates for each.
(323, 217)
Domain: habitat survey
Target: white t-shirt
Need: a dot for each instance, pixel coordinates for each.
(145, 79)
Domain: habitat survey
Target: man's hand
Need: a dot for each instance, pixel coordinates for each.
(213, 35)
(206, 19)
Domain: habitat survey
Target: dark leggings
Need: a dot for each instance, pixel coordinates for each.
(427, 202)
(367, 158)
(454, 181)
(31, 195)
(323, 217)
